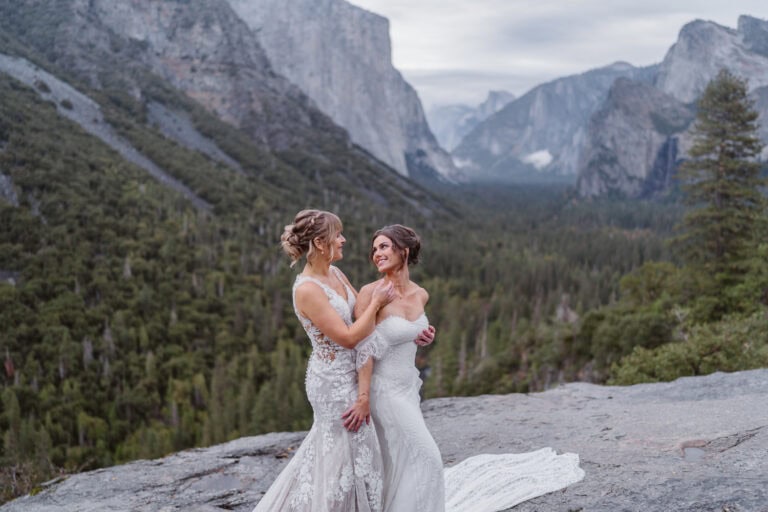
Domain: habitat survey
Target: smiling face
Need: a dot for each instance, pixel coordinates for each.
(385, 255)
(395, 246)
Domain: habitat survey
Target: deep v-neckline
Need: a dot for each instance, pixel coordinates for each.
(347, 291)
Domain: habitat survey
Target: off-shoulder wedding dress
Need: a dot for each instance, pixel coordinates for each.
(333, 470)
(414, 478)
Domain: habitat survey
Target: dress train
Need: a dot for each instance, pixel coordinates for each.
(491, 483)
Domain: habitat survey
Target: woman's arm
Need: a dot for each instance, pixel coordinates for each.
(312, 303)
(364, 298)
(360, 411)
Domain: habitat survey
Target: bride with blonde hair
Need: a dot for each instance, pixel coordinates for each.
(334, 469)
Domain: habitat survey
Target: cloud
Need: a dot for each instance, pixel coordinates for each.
(461, 86)
(477, 45)
(539, 159)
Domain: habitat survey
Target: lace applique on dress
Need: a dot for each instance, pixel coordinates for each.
(322, 346)
(372, 346)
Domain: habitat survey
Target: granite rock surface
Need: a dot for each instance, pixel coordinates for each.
(698, 444)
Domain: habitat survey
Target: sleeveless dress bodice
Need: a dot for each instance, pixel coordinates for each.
(331, 373)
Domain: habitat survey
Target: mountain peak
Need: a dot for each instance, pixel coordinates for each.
(495, 101)
(746, 19)
(620, 65)
(450, 123)
(755, 33)
(703, 48)
(697, 25)
(549, 120)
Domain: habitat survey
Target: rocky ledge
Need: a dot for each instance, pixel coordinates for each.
(696, 444)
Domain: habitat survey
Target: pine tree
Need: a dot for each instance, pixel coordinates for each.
(721, 183)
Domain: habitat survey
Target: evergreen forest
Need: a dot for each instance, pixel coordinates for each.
(134, 325)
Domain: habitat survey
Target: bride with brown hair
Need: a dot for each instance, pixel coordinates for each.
(334, 469)
(413, 467)
(414, 478)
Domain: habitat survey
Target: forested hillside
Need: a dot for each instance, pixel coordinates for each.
(135, 324)
(138, 325)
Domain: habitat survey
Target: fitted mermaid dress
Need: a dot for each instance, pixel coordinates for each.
(413, 467)
(414, 477)
(333, 470)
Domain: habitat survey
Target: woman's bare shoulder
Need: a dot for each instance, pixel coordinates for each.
(308, 288)
(421, 293)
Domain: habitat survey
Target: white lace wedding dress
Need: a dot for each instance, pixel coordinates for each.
(333, 470)
(414, 479)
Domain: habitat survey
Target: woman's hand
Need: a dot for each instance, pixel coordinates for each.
(383, 294)
(357, 414)
(425, 337)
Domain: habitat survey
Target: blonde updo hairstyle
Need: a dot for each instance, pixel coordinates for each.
(298, 238)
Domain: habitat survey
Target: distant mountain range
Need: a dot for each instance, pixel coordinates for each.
(312, 74)
(450, 123)
(640, 165)
(539, 135)
(617, 129)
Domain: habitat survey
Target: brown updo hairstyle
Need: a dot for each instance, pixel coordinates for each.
(402, 238)
(297, 238)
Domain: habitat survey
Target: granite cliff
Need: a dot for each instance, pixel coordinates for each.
(693, 445)
(703, 48)
(340, 56)
(634, 142)
(200, 47)
(183, 68)
(760, 97)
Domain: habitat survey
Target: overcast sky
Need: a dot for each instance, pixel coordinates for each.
(455, 51)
